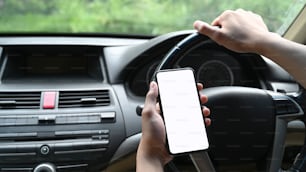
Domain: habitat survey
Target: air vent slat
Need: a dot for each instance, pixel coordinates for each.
(80, 103)
(20, 100)
(83, 105)
(89, 96)
(27, 103)
(86, 93)
(19, 107)
(75, 99)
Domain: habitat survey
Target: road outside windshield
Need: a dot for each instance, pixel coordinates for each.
(140, 17)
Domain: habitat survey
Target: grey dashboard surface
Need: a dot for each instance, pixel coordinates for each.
(102, 81)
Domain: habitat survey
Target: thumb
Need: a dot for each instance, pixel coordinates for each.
(205, 29)
(151, 98)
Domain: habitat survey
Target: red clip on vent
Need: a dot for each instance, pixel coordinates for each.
(20, 100)
(75, 99)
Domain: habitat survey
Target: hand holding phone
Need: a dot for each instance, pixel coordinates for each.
(181, 110)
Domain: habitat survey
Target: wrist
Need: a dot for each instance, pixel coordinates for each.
(264, 42)
(154, 153)
(148, 160)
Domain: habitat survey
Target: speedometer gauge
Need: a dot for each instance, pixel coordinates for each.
(215, 73)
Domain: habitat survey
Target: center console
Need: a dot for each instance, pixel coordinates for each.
(57, 112)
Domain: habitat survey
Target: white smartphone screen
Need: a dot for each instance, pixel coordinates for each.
(182, 111)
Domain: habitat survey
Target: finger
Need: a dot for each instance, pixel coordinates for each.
(150, 102)
(219, 20)
(203, 98)
(240, 10)
(205, 28)
(216, 22)
(200, 86)
(206, 111)
(152, 94)
(157, 107)
(207, 121)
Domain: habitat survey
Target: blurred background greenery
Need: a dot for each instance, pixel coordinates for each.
(146, 17)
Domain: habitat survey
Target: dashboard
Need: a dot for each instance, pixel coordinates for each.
(213, 66)
(69, 103)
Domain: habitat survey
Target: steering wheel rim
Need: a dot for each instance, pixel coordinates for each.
(180, 49)
(196, 39)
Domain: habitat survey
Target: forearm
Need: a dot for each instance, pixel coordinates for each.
(147, 162)
(289, 55)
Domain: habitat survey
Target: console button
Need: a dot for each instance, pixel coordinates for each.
(49, 100)
(44, 149)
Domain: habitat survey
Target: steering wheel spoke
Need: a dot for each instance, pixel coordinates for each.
(286, 110)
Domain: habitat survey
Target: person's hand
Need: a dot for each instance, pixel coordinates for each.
(152, 151)
(239, 30)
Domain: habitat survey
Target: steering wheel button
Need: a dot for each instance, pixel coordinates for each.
(285, 107)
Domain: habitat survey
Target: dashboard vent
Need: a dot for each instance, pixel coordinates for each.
(20, 100)
(75, 99)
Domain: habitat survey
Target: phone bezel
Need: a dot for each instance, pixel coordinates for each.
(200, 106)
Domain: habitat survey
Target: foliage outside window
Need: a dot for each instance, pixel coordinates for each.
(149, 17)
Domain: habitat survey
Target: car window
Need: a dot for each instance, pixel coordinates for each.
(143, 17)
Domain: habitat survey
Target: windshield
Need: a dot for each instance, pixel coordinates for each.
(141, 17)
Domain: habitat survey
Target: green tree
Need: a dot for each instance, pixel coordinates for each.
(130, 16)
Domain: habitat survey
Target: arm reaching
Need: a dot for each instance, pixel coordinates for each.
(244, 31)
(152, 154)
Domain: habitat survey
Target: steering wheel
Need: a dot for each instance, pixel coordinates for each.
(240, 115)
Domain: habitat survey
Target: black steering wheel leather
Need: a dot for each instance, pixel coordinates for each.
(240, 115)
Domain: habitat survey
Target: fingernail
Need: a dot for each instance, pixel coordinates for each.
(152, 85)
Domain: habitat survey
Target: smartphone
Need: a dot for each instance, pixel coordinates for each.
(182, 111)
